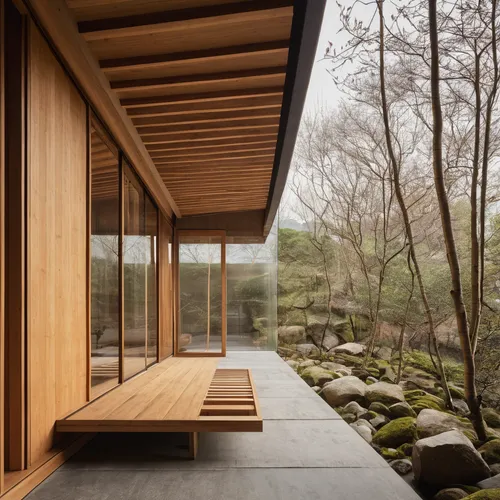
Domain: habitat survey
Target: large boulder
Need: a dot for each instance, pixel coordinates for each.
(344, 390)
(308, 350)
(395, 433)
(381, 408)
(490, 451)
(420, 400)
(356, 409)
(316, 331)
(333, 367)
(351, 348)
(315, 375)
(446, 459)
(433, 422)
(291, 334)
(385, 393)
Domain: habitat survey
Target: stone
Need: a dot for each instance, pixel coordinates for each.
(490, 451)
(379, 421)
(392, 454)
(383, 352)
(485, 495)
(495, 469)
(371, 380)
(345, 372)
(433, 422)
(293, 364)
(450, 494)
(402, 466)
(490, 483)
(384, 392)
(365, 422)
(356, 409)
(461, 407)
(456, 392)
(333, 367)
(316, 388)
(420, 400)
(381, 408)
(344, 390)
(307, 364)
(360, 373)
(388, 375)
(291, 334)
(350, 418)
(363, 431)
(491, 417)
(446, 459)
(350, 348)
(315, 375)
(309, 350)
(402, 410)
(316, 331)
(397, 432)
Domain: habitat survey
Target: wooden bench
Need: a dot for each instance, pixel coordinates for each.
(177, 395)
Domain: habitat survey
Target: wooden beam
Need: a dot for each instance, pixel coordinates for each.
(208, 117)
(202, 97)
(227, 152)
(268, 139)
(242, 161)
(56, 20)
(214, 55)
(261, 123)
(209, 136)
(202, 80)
(198, 17)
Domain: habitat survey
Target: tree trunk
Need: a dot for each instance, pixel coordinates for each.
(451, 251)
(404, 211)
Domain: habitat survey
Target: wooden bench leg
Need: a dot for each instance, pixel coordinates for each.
(193, 445)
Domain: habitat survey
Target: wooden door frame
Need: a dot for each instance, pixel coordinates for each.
(194, 232)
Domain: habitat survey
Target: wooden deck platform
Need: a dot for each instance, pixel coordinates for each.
(177, 395)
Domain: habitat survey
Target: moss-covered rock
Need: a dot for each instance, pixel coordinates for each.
(490, 451)
(491, 417)
(419, 400)
(395, 433)
(348, 360)
(315, 375)
(456, 392)
(406, 449)
(381, 408)
(485, 495)
(392, 453)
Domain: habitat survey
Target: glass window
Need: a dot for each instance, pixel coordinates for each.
(104, 245)
(202, 315)
(139, 276)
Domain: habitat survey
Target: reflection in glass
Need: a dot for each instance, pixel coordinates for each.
(200, 283)
(252, 294)
(151, 287)
(135, 258)
(104, 244)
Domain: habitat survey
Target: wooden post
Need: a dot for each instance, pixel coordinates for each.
(193, 445)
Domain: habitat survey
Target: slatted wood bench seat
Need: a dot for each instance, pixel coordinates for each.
(178, 395)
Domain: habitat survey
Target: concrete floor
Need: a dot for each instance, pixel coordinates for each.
(306, 452)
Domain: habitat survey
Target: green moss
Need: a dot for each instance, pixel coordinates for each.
(415, 393)
(493, 494)
(372, 414)
(381, 408)
(374, 372)
(395, 433)
(490, 451)
(406, 449)
(420, 400)
(392, 454)
(315, 375)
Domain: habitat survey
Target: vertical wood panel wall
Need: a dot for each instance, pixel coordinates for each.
(2, 243)
(166, 330)
(57, 245)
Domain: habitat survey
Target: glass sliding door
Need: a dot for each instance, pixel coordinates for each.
(104, 247)
(140, 300)
(151, 282)
(201, 292)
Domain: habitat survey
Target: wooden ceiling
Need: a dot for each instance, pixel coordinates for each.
(202, 81)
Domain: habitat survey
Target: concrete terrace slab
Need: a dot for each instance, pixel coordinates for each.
(305, 452)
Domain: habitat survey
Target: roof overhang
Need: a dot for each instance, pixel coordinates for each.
(203, 96)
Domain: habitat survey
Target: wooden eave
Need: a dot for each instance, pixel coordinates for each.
(204, 91)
